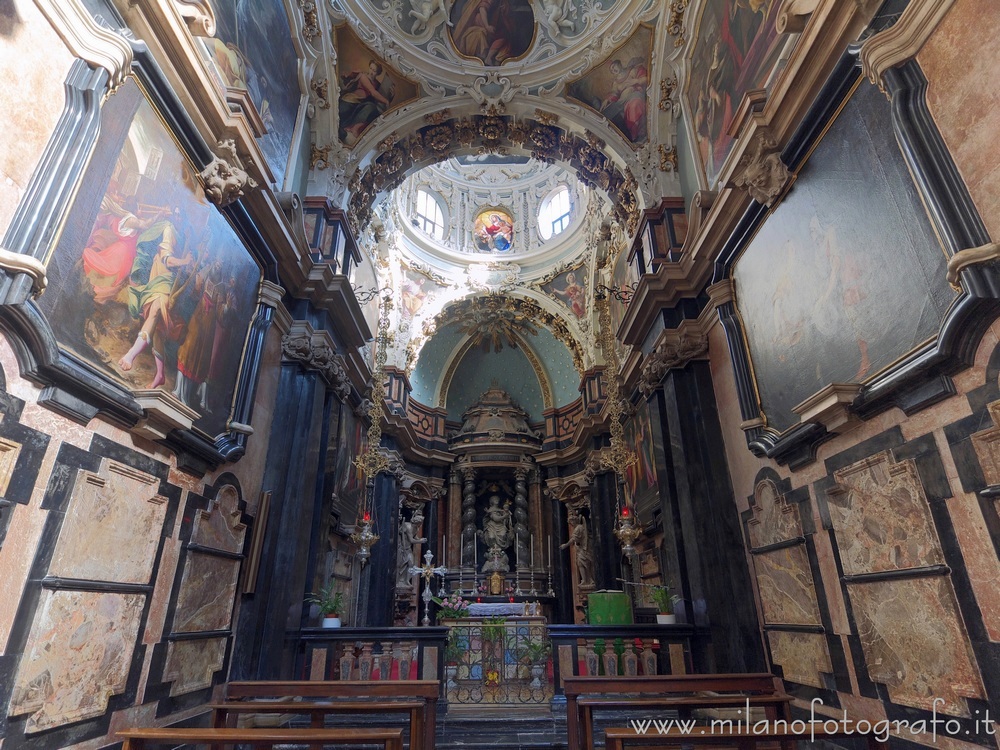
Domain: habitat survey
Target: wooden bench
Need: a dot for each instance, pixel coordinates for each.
(741, 737)
(378, 696)
(137, 738)
(585, 694)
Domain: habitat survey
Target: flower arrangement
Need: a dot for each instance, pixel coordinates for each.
(452, 607)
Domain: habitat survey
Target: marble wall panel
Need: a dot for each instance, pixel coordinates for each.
(112, 526)
(801, 656)
(219, 527)
(787, 591)
(77, 656)
(986, 443)
(191, 664)
(881, 517)
(963, 97)
(33, 64)
(774, 520)
(915, 643)
(208, 589)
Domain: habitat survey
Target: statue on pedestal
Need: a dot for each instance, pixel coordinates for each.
(497, 534)
(580, 539)
(408, 539)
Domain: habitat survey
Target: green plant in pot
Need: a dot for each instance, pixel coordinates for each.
(665, 600)
(330, 603)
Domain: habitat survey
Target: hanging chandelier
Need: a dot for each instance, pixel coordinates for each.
(372, 461)
(620, 458)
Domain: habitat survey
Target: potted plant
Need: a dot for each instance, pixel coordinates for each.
(535, 654)
(453, 653)
(330, 602)
(664, 600)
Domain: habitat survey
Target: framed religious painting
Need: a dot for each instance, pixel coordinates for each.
(848, 272)
(152, 313)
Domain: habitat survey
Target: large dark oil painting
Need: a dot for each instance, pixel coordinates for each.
(348, 488)
(640, 478)
(156, 288)
(846, 276)
(492, 31)
(736, 50)
(253, 50)
(618, 88)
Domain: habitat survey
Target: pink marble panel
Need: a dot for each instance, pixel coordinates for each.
(787, 591)
(774, 520)
(219, 527)
(881, 517)
(915, 643)
(801, 656)
(77, 656)
(207, 593)
(986, 443)
(34, 62)
(963, 97)
(191, 664)
(112, 527)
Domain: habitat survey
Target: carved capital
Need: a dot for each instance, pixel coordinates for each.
(764, 175)
(224, 179)
(793, 15)
(198, 15)
(673, 352)
(314, 351)
(903, 40)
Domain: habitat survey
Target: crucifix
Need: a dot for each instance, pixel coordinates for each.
(427, 571)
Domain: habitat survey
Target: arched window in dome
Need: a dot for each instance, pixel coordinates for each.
(553, 216)
(430, 217)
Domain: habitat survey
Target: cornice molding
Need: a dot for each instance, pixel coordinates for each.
(903, 40)
(99, 46)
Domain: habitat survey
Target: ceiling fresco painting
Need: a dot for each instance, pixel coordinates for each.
(570, 288)
(491, 31)
(494, 231)
(737, 49)
(368, 86)
(253, 52)
(619, 87)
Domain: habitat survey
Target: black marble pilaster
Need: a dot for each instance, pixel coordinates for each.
(700, 512)
(607, 551)
(291, 473)
(562, 581)
(378, 579)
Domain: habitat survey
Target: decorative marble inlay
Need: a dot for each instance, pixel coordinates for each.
(208, 589)
(77, 656)
(801, 656)
(882, 518)
(774, 519)
(915, 643)
(191, 664)
(787, 591)
(986, 443)
(219, 527)
(112, 527)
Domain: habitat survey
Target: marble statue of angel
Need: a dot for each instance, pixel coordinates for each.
(557, 16)
(424, 10)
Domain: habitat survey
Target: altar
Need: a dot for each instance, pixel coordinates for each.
(498, 658)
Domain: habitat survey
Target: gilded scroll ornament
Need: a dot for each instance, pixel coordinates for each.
(224, 179)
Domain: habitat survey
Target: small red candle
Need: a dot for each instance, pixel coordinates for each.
(625, 512)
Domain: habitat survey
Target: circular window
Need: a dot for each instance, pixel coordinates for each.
(553, 216)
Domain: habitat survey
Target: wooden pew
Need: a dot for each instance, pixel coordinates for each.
(585, 694)
(139, 738)
(740, 737)
(397, 695)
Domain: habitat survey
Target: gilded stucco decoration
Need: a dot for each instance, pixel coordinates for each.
(224, 179)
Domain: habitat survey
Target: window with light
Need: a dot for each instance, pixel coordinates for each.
(430, 218)
(553, 216)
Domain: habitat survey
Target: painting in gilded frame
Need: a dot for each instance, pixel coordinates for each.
(492, 31)
(348, 487)
(369, 87)
(493, 231)
(253, 51)
(618, 88)
(156, 288)
(737, 49)
(847, 273)
(641, 488)
(570, 288)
